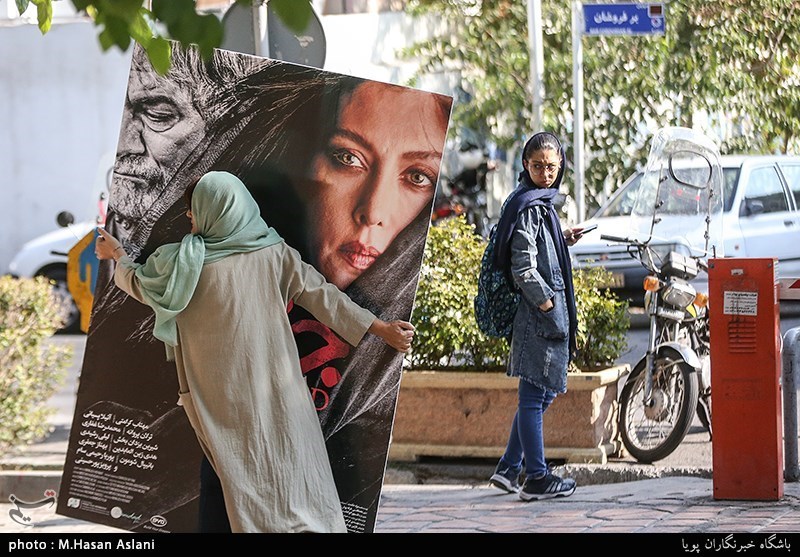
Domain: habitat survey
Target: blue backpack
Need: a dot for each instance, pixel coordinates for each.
(497, 299)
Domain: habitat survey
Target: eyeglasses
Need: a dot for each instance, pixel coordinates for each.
(540, 168)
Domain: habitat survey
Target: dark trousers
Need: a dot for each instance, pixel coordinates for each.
(213, 516)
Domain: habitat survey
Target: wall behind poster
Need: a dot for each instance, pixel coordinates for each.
(345, 169)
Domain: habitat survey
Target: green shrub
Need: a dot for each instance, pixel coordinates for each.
(31, 370)
(447, 336)
(603, 320)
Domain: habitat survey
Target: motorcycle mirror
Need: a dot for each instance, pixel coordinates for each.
(65, 218)
(690, 169)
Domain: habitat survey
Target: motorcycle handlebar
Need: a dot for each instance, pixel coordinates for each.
(617, 239)
(703, 265)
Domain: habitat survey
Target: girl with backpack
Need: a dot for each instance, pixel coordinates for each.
(532, 248)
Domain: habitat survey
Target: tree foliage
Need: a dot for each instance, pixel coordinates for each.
(121, 22)
(603, 321)
(447, 336)
(31, 370)
(728, 67)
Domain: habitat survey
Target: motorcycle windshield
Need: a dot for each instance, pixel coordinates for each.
(679, 202)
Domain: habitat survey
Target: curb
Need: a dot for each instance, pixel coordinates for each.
(30, 485)
(461, 473)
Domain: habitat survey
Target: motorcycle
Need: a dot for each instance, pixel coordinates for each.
(465, 193)
(671, 383)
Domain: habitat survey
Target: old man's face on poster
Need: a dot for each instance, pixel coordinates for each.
(345, 170)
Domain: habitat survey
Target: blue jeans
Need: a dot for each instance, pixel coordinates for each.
(526, 440)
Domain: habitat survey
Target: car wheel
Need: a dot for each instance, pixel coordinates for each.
(72, 322)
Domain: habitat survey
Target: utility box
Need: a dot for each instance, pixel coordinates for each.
(746, 398)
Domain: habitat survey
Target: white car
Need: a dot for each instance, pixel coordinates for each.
(46, 256)
(761, 218)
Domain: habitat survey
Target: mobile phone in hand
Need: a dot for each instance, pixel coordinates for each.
(587, 229)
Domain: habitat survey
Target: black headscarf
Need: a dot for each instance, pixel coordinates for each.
(528, 195)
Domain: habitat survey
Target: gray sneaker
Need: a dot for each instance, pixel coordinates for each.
(506, 479)
(547, 487)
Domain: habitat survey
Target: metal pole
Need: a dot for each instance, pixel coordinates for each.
(577, 117)
(536, 62)
(261, 46)
(791, 365)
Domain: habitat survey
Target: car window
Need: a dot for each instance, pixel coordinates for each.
(622, 203)
(765, 187)
(792, 174)
(730, 177)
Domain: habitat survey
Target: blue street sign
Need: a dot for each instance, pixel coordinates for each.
(623, 19)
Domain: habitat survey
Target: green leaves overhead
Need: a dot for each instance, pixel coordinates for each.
(159, 51)
(44, 13)
(186, 26)
(22, 5)
(293, 13)
(121, 22)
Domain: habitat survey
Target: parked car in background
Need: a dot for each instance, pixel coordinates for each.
(760, 218)
(46, 256)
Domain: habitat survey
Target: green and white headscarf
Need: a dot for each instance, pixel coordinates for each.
(228, 221)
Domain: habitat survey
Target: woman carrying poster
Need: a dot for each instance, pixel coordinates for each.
(318, 152)
(240, 382)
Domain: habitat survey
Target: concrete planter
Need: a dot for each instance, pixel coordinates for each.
(469, 414)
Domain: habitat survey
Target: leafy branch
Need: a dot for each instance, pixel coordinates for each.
(121, 22)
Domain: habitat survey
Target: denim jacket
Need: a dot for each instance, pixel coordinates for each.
(540, 340)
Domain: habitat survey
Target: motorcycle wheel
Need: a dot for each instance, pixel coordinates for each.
(651, 432)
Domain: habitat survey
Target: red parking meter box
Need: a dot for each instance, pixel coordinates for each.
(746, 397)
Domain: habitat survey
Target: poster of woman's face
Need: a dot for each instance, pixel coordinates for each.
(376, 171)
(345, 169)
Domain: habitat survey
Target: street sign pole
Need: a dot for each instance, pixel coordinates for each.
(258, 30)
(602, 19)
(577, 115)
(536, 56)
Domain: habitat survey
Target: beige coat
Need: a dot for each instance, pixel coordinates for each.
(243, 390)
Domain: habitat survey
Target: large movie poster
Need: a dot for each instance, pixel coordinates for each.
(345, 169)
